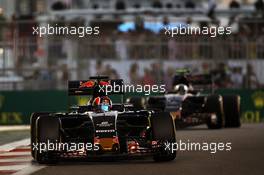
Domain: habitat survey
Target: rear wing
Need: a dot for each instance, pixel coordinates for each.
(202, 79)
(96, 86)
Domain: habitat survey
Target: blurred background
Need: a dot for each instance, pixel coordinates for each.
(131, 45)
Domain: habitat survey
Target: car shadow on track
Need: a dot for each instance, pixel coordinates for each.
(195, 128)
(102, 162)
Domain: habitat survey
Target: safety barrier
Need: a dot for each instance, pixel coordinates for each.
(17, 106)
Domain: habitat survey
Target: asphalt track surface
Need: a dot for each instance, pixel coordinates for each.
(246, 157)
(10, 136)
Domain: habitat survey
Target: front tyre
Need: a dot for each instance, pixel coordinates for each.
(47, 131)
(33, 120)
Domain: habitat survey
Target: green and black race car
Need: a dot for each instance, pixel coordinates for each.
(190, 106)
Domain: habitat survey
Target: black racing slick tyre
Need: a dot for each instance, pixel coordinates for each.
(214, 105)
(33, 119)
(137, 102)
(157, 103)
(47, 132)
(163, 131)
(232, 110)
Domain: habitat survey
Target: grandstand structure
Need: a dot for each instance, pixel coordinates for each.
(51, 60)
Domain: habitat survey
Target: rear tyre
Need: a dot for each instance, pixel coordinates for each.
(214, 105)
(232, 110)
(163, 131)
(137, 102)
(47, 131)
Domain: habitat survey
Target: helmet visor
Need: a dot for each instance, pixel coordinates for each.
(105, 107)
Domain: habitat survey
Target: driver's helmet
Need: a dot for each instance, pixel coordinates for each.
(182, 89)
(102, 104)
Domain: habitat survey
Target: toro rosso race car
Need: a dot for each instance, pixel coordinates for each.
(190, 107)
(100, 128)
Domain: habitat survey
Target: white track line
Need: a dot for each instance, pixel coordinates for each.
(18, 159)
(16, 154)
(14, 128)
(13, 167)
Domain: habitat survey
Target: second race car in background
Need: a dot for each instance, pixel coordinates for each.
(190, 106)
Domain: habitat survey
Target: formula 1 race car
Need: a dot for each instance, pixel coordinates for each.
(190, 107)
(100, 128)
